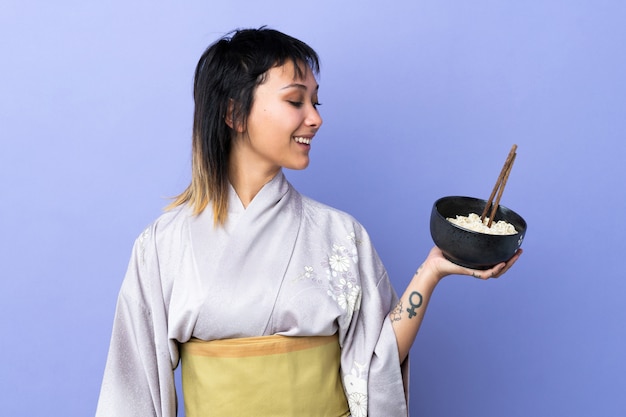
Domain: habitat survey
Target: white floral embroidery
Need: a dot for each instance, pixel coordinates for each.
(142, 245)
(339, 260)
(338, 263)
(352, 237)
(357, 402)
(355, 242)
(354, 255)
(355, 384)
(308, 273)
(341, 279)
(346, 293)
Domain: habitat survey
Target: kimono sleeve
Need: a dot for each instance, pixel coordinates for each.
(376, 383)
(139, 373)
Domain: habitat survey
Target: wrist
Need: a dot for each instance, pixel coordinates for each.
(428, 274)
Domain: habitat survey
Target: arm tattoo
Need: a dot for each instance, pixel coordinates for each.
(414, 305)
(396, 313)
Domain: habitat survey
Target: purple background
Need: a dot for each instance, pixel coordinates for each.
(421, 99)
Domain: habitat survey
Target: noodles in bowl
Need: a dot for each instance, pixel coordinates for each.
(473, 222)
(470, 248)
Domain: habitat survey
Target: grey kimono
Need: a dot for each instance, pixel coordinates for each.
(284, 265)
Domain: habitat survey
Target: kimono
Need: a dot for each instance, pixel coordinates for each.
(285, 265)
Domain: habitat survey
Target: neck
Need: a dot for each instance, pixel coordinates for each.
(247, 179)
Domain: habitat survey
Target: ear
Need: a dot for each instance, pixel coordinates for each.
(229, 117)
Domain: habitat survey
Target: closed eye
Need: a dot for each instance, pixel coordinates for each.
(299, 104)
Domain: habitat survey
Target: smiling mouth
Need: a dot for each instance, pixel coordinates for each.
(300, 139)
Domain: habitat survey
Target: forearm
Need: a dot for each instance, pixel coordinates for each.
(408, 314)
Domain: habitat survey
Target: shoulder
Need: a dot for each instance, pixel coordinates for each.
(324, 214)
(154, 247)
(327, 222)
(173, 219)
(345, 237)
(169, 224)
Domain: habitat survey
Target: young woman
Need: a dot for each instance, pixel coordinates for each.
(274, 304)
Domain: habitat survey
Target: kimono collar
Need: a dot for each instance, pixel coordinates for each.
(270, 194)
(245, 261)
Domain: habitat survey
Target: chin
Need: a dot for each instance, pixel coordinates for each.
(298, 166)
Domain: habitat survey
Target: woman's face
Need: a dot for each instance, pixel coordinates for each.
(282, 122)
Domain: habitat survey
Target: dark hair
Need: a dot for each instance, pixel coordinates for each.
(226, 78)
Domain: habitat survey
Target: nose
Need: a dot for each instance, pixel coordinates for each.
(314, 119)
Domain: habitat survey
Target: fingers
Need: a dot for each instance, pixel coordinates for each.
(484, 275)
(480, 275)
(510, 262)
(498, 270)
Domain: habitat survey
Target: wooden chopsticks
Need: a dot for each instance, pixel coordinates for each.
(499, 187)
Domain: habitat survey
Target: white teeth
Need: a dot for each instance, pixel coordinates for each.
(299, 139)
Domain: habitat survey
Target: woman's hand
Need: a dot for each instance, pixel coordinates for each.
(417, 294)
(444, 267)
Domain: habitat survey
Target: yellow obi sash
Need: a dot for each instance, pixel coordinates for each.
(263, 376)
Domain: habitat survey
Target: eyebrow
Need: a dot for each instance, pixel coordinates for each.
(300, 86)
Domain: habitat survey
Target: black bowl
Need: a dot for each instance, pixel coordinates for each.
(469, 248)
